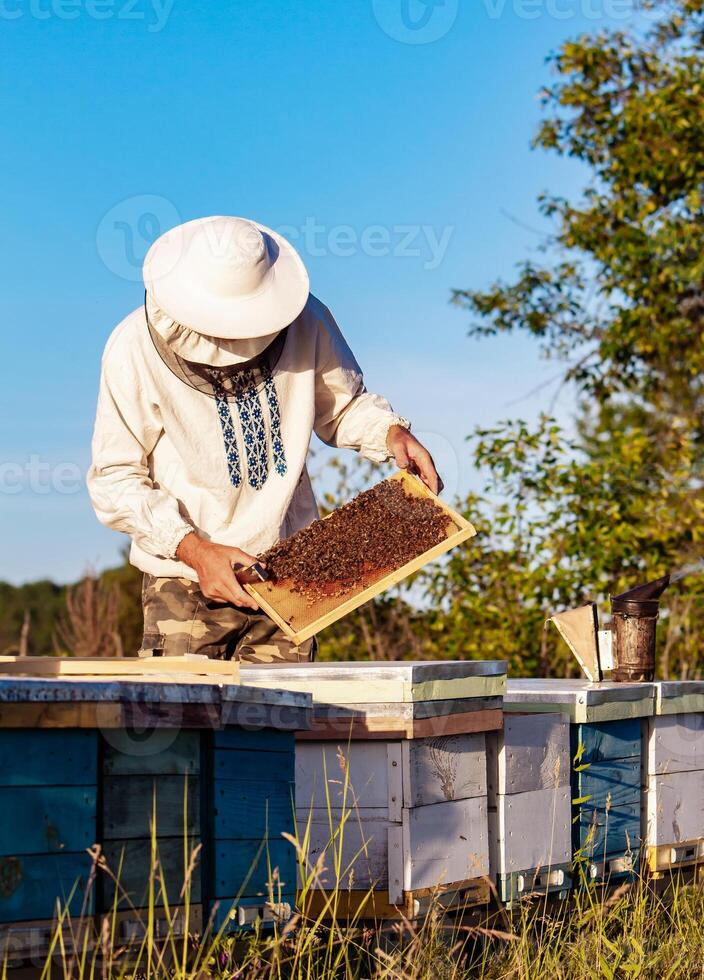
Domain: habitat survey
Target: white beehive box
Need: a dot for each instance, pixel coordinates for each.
(530, 841)
(404, 817)
(674, 777)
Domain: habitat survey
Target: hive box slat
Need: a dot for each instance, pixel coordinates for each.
(617, 781)
(31, 759)
(46, 819)
(130, 861)
(173, 802)
(616, 831)
(33, 882)
(676, 743)
(531, 753)
(604, 741)
(444, 844)
(531, 830)
(166, 752)
(675, 807)
(361, 774)
(436, 770)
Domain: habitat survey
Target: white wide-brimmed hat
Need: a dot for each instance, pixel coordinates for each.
(227, 278)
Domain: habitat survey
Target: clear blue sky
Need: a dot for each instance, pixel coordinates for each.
(397, 161)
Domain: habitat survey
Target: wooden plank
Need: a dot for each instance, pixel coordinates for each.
(46, 819)
(602, 741)
(354, 775)
(266, 740)
(120, 666)
(244, 868)
(51, 716)
(676, 743)
(356, 842)
(602, 832)
(405, 710)
(135, 856)
(530, 830)
(445, 843)
(167, 752)
(129, 802)
(240, 764)
(394, 728)
(532, 753)
(245, 808)
(679, 697)
(445, 768)
(675, 807)
(46, 758)
(132, 926)
(269, 601)
(32, 883)
(618, 780)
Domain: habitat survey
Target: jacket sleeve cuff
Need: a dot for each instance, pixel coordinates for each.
(375, 447)
(168, 538)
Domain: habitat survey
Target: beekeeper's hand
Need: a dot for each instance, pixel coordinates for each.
(411, 455)
(215, 566)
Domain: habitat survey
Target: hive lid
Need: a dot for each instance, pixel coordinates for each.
(368, 683)
(28, 702)
(582, 700)
(675, 697)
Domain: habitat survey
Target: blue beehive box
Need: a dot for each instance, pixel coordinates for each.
(200, 774)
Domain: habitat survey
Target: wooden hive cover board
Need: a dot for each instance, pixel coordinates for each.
(676, 743)
(187, 668)
(300, 618)
(531, 753)
(362, 682)
(677, 697)
(530, 830)
(675, 807)
(581, 700)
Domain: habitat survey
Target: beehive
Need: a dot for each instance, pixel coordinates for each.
(606, 747)
(300, 617)
(530, 812)
(91, 761)
(403, 813)
(674, 817)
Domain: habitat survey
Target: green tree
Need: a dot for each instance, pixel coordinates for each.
(618, 299)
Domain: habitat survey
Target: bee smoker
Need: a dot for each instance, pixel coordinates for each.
(634, 623)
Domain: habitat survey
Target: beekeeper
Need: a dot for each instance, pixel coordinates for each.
(208, 398)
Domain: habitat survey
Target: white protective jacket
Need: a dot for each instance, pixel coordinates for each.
(169, 459)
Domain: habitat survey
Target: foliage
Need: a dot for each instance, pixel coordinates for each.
(619, 300)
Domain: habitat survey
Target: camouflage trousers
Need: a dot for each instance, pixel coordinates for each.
(178, 619)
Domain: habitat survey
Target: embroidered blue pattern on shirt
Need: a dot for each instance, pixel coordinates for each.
(277, 443)
(252, 422)
(228, 431)
(253, 432)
